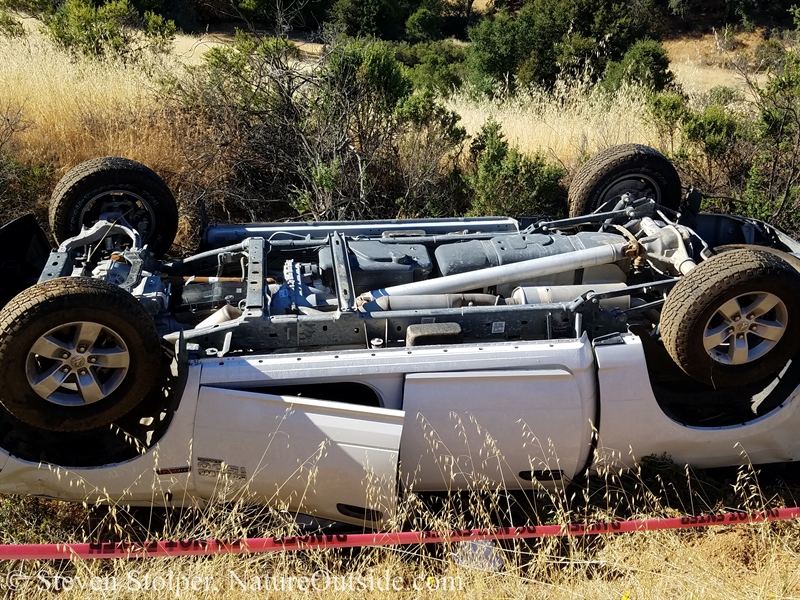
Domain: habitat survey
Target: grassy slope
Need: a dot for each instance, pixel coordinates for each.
(74, 110)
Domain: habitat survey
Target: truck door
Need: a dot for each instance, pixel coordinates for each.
(495, 428)
(330, 459)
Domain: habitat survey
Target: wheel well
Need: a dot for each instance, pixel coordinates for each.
(692, 403)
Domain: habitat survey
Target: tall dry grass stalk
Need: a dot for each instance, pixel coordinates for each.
(568, 124)
(746, 561)
(74, 109)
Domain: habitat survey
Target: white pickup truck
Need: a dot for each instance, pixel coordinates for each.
(331, 368)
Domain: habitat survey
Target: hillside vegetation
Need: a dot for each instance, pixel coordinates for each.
(459, 111)
(365, 128)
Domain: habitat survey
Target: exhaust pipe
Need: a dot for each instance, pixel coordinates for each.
(514, 272)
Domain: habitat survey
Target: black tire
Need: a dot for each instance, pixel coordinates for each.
(102, 184)
(51, 314)
(692, 318)
(792, 260)
(627, 168)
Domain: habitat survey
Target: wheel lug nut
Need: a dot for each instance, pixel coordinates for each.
(737, 318)
(65, 369)
(82, 372)
(93, 359)
(751, 316)
(81, 348)
(740, 336)
(65, 355)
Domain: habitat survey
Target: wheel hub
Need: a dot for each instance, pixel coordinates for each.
(640, 185)
(134, 209)
(77, 363)
(745, 328)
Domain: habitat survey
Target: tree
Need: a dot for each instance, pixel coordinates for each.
(645, 64)
(551, 37)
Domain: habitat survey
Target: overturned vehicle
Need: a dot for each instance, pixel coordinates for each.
(389, 357)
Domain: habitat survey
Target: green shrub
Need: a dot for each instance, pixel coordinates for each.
(714, 129)
(717, 151)
(645, 64)
(724, 95)
(773, 189)
(769, 54)
(548, 38)
(428, 143)
(21, 187)
(506, 182)
(377, 18)
(424, 26)
(367, 68)
(666, 111)
(435, 66)
(495, 51)
(9, 26)
(114, 28)
(344, 138)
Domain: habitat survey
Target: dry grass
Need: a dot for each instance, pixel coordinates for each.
(567, 125)
(77, 109)
(707, 61)
(73, 109)
(746, 561)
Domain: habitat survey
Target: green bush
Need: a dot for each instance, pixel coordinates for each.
(424, 26)
(506, 182)
(428, 144)
(666, 111)
(645, 64)
(724, 95)
(342, 139)
(716, 149)
(495, 51)
(549, 38)
(21, 185)
(743, 159)
(368, 18)
(9, 26)
(714, 130)
(435, 66)
(716, 152)
(769, 54)
(773, 189)
(114, 28)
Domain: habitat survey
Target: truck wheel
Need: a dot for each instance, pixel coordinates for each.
(113, 184)
(734, 319)
(633, 168)
(75, 354)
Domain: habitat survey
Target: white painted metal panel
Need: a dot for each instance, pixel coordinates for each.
(302, 454)
(134, 482)
(633, 425)
(384, 368)
(483, 428)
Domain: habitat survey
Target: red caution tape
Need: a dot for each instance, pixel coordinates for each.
(324, 541)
